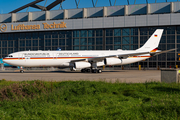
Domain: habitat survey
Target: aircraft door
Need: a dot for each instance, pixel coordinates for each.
(27, 58)
(55, 55)
(20, 56)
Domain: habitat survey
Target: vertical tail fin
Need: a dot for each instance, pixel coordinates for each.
(153, 41)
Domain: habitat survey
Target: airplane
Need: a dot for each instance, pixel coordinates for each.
(87, 61)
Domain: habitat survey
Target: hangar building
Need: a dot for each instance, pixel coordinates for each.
(124, 27)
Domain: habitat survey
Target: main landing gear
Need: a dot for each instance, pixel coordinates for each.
(91, 70)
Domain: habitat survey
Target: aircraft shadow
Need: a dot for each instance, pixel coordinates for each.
(58, 71)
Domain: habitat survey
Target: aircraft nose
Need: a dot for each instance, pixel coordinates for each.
(4, 60)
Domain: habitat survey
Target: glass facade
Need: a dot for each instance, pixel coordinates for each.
(97, 39)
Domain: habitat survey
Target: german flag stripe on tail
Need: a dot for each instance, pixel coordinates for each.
(154, 50)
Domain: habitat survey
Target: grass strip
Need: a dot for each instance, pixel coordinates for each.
(88, 100)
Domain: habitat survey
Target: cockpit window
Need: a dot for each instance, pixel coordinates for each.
(10, 56)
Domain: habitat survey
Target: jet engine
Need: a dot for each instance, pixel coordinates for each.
(81, 65)
(100, 63)
(112, 61)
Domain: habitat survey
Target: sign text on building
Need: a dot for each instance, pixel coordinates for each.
(36, 27)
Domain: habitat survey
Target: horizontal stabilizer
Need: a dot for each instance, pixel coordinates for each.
(157, 53)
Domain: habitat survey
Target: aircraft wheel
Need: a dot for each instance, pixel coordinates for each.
(21, 71)
(88, 70)
(94, 71)
(83, 70)
(99, 71)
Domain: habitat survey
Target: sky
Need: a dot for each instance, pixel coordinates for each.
(7, 6)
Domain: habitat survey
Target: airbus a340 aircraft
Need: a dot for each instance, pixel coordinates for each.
(87, 61)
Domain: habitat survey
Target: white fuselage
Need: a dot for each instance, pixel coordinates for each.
(85, 59)
(64, 58)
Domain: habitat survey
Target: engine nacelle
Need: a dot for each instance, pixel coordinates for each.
(68, 64)
(81, 65)
(100, 63)
(112, 61)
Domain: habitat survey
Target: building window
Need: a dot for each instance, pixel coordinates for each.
(91, 33)
(126, 32)
(83, 41)
(117, 32)
(91, 41)
(76, 41)
(54, 42)
(75, 33)
(99, 33)
(35, 42)
(98, 41)
(109, 32)
(83, 33)
(28, 43)
(48, 42)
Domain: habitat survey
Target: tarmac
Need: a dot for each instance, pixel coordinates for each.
(124, 76)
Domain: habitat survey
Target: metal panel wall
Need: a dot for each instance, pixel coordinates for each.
(130, 21)
(77, 23)
(38, 16)
(119, 22)
(164, 19)
(108, 22)
(141, 20)
(4, 18)
(75, 13)
(69, 23)
(160, 8)
(176, 7)
(56, 14)
(95, 12)
(97, 22)
(21, 17)
(87, 23)
(152, 20)
(137, 9)
(141, 9)
(115, 11)
(175, 19)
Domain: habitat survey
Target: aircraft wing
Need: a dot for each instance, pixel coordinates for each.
(121, 56)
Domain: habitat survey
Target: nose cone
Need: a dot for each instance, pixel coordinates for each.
(4, 60)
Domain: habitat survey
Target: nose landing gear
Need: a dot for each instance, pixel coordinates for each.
(21, 70)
